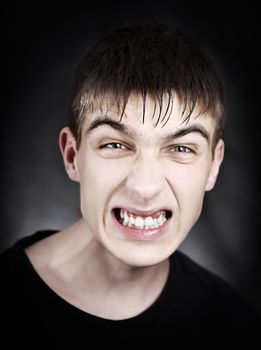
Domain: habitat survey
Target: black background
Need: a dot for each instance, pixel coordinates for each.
(41, 44)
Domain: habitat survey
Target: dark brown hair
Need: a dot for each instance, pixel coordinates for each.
(148, 58)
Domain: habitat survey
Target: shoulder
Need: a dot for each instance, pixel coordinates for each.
(21, 286)
(200, 277)
(210, 295)
(14, 262)
(16, 271)
(8, 263)
(12, 257)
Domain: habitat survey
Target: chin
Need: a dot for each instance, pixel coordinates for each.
(139, 248)
(139, 253)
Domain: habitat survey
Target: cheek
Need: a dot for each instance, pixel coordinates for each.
(188, 184)
(106, 173)
(99, 178)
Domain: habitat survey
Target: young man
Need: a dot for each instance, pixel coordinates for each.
(144, 142)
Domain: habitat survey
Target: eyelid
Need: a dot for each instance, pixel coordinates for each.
(104, 144)
(187, 147)
(111, 143)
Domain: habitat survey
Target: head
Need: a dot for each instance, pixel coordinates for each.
(144, 139)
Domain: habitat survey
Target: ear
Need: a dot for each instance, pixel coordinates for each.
(68, 149)
(216, 162)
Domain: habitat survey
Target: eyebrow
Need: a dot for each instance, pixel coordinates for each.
(123, 129)
(192, 129)
(114, 124)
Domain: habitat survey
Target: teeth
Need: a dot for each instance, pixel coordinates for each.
(141, 223)
(125, 220)
(148, 221)
(131, 221)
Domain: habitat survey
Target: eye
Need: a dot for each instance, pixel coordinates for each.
(182, 149)
(114, 145)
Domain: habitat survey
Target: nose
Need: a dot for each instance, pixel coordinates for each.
(145, 180)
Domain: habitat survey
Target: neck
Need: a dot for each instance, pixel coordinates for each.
(81, 249)
(79, 269)
(113, 271)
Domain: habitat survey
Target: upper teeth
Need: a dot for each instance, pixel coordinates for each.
(141, 222)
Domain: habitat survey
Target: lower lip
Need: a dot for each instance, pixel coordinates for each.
(142, 234)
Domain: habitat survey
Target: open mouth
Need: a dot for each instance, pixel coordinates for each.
(141, 221)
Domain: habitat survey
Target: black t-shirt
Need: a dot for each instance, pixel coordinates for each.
(194, 304)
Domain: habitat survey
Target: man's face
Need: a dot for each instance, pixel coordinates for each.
(141, 185)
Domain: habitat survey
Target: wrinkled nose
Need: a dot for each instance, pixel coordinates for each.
(145, 180)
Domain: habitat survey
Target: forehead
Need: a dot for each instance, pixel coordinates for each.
(150, 115)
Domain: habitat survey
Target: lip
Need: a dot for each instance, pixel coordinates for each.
(144, 213)
(140, 234)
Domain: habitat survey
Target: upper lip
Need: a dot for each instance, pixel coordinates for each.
(138, 212)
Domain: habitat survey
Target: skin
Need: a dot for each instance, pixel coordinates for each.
(146, 168)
